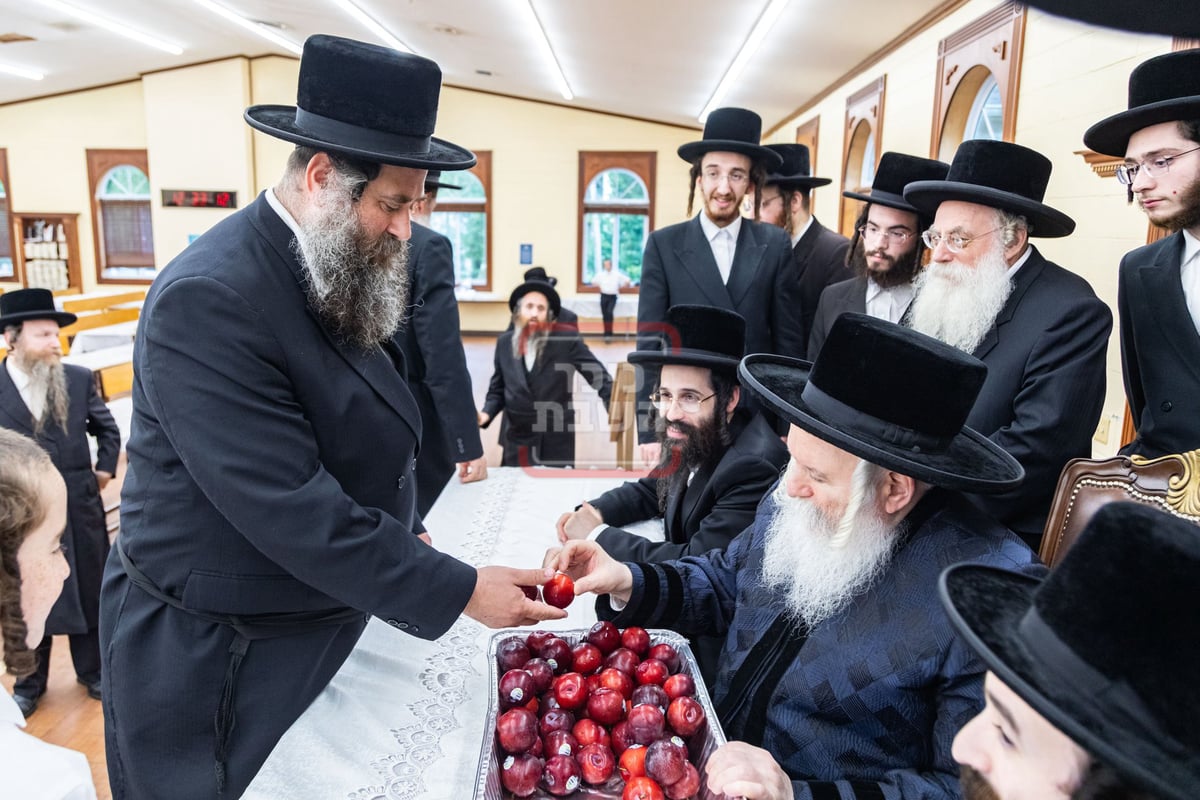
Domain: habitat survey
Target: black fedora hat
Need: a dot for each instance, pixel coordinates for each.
(367, 102)
(1171, 17)
(535, 286)
(699, 336)
(1163, 89)
(1001, 175)
(735, 130)
(796, 171)
(25, 304)
(1107, 648)
(891, 396)
(897, 170)
(539, 274)
(433, 181)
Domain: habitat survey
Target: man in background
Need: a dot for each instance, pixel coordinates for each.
(610, 283)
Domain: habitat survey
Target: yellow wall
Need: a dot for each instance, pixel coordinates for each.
(1072, 75)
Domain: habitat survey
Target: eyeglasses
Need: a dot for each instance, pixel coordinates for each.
(955, 242)
(688, 402)
(870, 231)
(736, 178)
(1154, 168)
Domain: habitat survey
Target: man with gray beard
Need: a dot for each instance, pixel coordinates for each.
(1039, 328)
(840, 674)
(57, 405)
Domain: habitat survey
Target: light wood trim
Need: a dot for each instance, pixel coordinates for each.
(99, 162)
(863, 107)
(103, 303)
(1102, 165)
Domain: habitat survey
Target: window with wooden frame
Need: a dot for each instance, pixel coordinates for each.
(8, 269)
(119, 182)
(616, 213)
(463, 216)
(979, 76)
(860, 151)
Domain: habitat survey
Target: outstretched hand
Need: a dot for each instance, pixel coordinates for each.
(741, 770)
(499, 602)
(592, 569)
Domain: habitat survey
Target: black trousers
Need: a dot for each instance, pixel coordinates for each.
(608, 302)
(85, 655)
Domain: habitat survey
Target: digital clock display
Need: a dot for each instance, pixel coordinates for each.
(198, 198)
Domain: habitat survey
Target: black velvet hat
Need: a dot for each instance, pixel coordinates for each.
(1001, 175)
(1171, 17)
(796, 171)
(1107, 648)
(432, 182)
(897, 170)
(699, 336)
(535, 286)
(736, 130)
(367, 102)
(1163, 89)
(891, 396)
(24, 304)
(539, 274)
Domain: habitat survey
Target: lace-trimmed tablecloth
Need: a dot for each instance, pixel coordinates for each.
(403, 718)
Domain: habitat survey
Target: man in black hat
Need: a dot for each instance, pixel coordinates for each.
(1088, 694)
(1040, 329)
(1158, 297)
(819, 253)
(269, 504)
(886, 250)
(565, 315)
(57, 405)
(436, 365)
(840, 675)
(717, 258)
(534, 368)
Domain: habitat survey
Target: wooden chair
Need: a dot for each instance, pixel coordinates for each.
(1171, 483)
(622, 414)
(115, 381)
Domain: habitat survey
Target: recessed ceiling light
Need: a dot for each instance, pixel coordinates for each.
(372, 24)
(21, 72)
(251, 25)
(114, 27)
(487, 72)
(449, 30)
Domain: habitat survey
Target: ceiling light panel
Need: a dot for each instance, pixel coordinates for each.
(250, 25)
(113, 26)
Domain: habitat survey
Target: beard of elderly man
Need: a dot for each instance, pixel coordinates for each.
(36, 351)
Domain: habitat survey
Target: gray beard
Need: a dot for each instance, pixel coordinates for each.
(958, 304)
(531, 338)
(48, 379)
(819, 565)
(358, 287)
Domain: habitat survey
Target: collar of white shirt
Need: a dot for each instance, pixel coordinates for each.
(283, 213)
(20, 379)
(711, 229)
(1191, 248)
(1012, 271)
(796, 236)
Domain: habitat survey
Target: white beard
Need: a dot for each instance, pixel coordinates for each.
(818, 564)
(958, 304)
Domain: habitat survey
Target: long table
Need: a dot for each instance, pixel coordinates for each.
(403, 718)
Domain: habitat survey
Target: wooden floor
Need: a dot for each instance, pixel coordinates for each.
(67, 716)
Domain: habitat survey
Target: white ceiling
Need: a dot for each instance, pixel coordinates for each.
(655, 59)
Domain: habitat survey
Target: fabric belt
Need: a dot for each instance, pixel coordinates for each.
(246, 628)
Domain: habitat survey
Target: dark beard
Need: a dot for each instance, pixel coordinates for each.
(975, 786)
(901, 271)
(48, 379)
(1189, 216)
(704, 444)
(357, 286)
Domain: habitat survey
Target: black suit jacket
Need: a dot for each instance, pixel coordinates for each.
(437, 366)
(77, 609)
(537, 403)
(848, 295)
(1160, 350)
(270, 471)
(706, 514)
(820, 256)
(1044, 391)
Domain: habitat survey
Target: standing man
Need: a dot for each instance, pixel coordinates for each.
(565, 315)
(435, 362)
(717, 258)
(609, 282)
(886, 250)
(819, 253)
(534, 369)
(1040, 329)
(58, 406)
(1158, 297)
(269, 504)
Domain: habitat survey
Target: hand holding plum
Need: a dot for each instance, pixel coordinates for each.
(592, 569)
(499, 601)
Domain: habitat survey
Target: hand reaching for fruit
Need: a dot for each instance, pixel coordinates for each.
(578, 524)
(499, 601)
(592, 569)
(742, 770)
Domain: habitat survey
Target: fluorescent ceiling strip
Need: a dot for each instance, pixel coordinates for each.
(372, 25)
(21, 73)
(761, 28)
(548, 54)
(252, 26)
(114, 27)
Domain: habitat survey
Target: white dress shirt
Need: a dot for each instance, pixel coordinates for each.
(610, 281)
(889, 303)
(723, 242)
(35, 770)
(20, 379)
(800, 233)
(1189, 273)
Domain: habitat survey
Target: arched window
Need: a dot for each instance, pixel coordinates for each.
(864, 126)
(986, 117)
(121, 223)
(7, 269)
(615, 215)
(462, 216)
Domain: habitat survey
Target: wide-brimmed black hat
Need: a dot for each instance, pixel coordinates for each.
(897, 170)
(25, 304)
(891, 396)
(432, 181)
(1163, 89)
(1170, 17)
(1107, 648)
(535, 286)
(539, 274)
(367, 102)
(795, 172)
(1001, 175)
(735, 130)
(699, 336)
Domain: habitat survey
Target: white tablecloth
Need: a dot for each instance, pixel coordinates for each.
(588, 305)
(404, 717)
(106, 336)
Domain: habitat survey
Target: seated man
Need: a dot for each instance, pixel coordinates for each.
(535, 364)
(1090, 692)
(838, 658)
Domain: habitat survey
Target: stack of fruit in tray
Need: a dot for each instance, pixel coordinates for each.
(611, 717)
